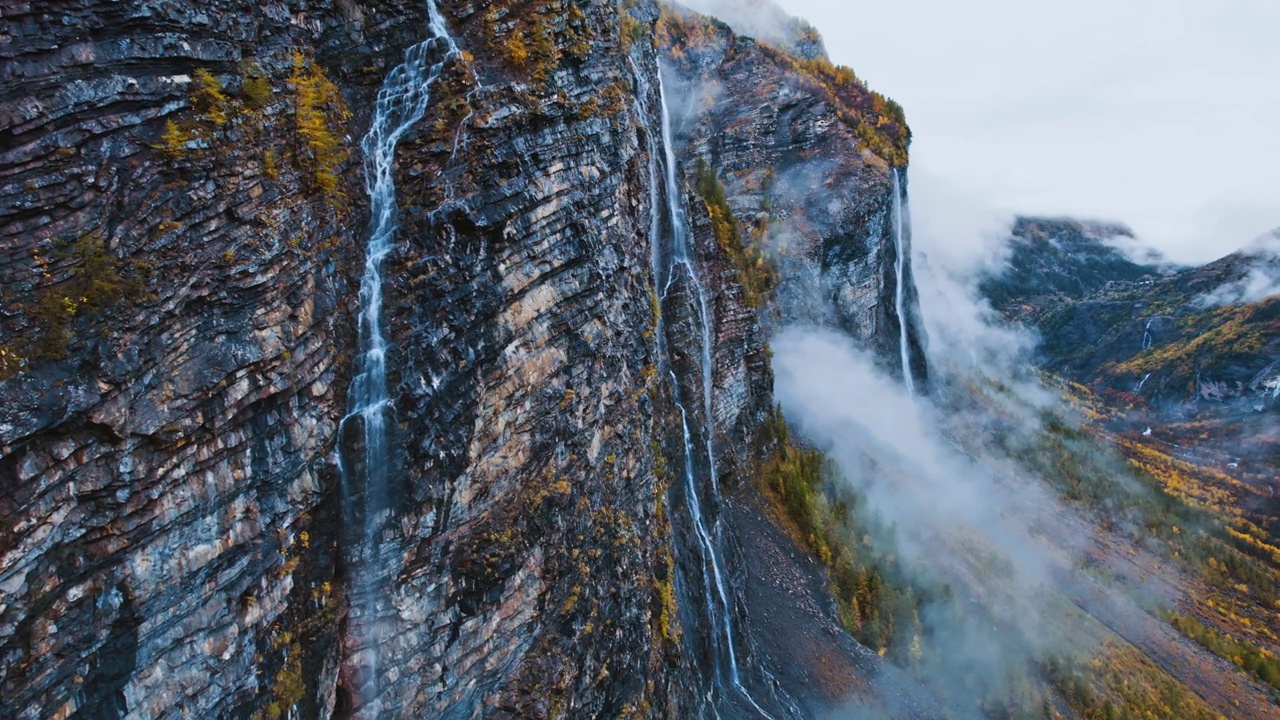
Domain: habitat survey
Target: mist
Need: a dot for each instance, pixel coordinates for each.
(935, 474)
(1261, 282)
(954, 519)
(763, 20)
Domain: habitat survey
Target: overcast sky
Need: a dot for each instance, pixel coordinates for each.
(1163, 114)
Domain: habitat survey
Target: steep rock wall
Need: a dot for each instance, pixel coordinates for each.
(173, 325)
(783, 135)
(521, 573)
(171, 529)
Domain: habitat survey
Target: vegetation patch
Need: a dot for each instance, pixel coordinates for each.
(1146, 500)
(1261, 663)
(630, 30)
(82, 280)
(1219, 335)
(256, 91)
(537, 40)
(1120, 683)
(756, 275)
(212, 111)
(875, 602)
(320, 113)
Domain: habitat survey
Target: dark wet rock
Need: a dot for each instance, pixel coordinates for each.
(802, 183)
(177, 333)
(166, 489)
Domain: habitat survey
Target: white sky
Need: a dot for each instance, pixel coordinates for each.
(1163, 114)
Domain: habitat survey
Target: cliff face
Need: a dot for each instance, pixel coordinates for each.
(520, 573)
(172, 327)
(790, 139)
(183, 214)
(795, 223)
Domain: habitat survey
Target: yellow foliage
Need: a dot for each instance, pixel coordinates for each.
(174, 140)
(1233, 333)
(257, 91)
(207, 97)
(269, 167)
(319, 111)
(517, 52)
(1184, 480)
(629, 30)
(10, 362)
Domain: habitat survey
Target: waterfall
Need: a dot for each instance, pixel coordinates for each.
(900, 294)
(718, 605)
(706, 547)
(656, 257)
(1145, 378)
(402, 101)
(1146, 334)
(682, 254)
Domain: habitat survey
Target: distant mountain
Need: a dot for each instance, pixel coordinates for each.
(1207, 333)
(1186, 359)
(1055, 260)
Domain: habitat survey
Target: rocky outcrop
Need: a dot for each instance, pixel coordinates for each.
(791, 139)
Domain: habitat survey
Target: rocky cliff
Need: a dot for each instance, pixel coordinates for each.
(521, 569)
(807, 157)
(176, 295)
(182, 529)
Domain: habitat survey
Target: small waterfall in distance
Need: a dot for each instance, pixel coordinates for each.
(900, 293)
(401, 103)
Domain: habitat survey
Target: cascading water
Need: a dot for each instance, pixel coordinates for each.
(900, 293)
(682, 255)
(719, 608)
(706, 547)
(401, 103)
(1146, 334)
(1142, 384)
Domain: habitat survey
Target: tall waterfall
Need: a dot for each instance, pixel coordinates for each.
(900, 293)
(718, 604)
(402, 101)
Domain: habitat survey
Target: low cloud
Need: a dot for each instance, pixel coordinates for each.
(958, 241)
(763, 20)
(1261, 282)
(938, 473)
(957, 516)
(894, 449)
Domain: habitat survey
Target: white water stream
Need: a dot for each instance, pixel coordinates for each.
(900, 293)
(402, 101)
(718, 605)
